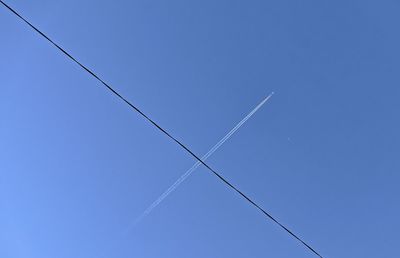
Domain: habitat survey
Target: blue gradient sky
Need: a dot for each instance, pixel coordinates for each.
(77, 166)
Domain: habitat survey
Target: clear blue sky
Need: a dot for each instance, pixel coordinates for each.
(77, 166)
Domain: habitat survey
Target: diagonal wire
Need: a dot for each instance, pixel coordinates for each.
(160, 128)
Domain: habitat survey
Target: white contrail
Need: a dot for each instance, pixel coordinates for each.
(198, 163)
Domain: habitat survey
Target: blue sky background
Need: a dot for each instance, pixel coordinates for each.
(77, 166)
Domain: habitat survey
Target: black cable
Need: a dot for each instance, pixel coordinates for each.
(161, 129)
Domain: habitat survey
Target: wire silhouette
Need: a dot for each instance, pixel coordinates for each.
(115, 92)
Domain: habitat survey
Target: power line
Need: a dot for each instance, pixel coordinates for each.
(160, 128)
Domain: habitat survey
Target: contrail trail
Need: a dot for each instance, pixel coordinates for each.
(198, 163)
